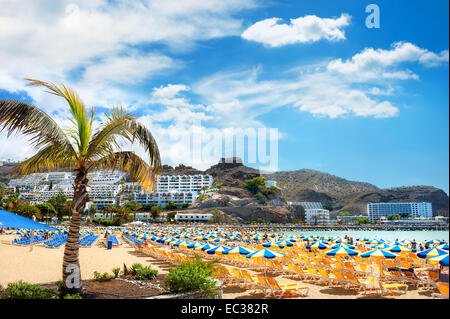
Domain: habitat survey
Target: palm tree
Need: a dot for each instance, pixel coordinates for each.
(81, 149)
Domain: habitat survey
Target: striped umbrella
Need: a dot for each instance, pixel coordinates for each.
(238, 250)
(441, 260)
(400, 249)
(432, 252)
(342, 251)
(184, 244)
(194, 245)
(379, 253)
(318, 245)
(272, 244)
(344, 245)
(219, 240)
(205, 247)
(266, 253)
(218, 249)
(443, 247)
(285, 243)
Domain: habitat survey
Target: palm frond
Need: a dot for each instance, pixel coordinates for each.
(81, 119)
(21, 117)
(48, 157)
(129, 162)
(121, 124)
(105, 138)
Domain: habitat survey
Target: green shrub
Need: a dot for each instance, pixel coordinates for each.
(24, 290)
(73, 296)
(146, 273)
(192, 276)
(60, 285)
(134, 268)
(116, 272)
(99, 276)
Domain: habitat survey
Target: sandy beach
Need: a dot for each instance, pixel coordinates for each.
(43, 265)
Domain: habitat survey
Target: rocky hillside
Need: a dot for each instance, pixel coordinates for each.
(300, 185)
(310, 183)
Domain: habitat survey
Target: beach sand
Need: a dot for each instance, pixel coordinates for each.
(44, 265)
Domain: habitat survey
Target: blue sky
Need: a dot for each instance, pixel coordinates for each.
(364, 104)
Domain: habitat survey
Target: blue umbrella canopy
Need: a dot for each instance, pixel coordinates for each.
(238, 250)
(273, 244)
(431, 253)
(11, 220)
(218, 249)
(342, 251)
(441, 259)
(344, 245)
(379, 253)
(266, 253)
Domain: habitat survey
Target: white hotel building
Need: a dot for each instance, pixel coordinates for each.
(183, 183)
(317, 216)
(378, 210)
(179, 189)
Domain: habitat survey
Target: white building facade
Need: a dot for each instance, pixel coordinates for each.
(317, 216)
(419, 209)
(184, 217)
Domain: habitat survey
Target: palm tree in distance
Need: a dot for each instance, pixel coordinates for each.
(81, 149)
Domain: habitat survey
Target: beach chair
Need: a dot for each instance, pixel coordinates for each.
(354, 282)
(443, 290)
(386, 288)
(328, 278)
(286, 289)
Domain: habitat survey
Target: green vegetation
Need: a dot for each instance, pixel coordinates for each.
(257, 185)
(24, 290)
(102, 277)
(171, 216)
(344, 214)
(81, 148)
(72, 296)
(155, 211)
(140, 272)
(116, 272)
(393, 217)
(192, 276)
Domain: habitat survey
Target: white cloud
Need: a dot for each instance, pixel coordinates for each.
(305, 29)
(241, 96)
(380, 63)
(95, 45)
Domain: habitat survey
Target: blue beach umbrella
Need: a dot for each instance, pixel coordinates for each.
(11, 220)
(432, 252)
(399, 249)
(238, 250)
(344, 245)
(379, 253)
(443, 247)
(441, 260)
(218, 249)
(318, 245)
(285, 242)
(266, 253)
(272, 244)
(342, 251)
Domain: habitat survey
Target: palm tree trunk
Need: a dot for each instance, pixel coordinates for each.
(71, 264)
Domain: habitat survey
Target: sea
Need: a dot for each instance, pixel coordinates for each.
(418, 235)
